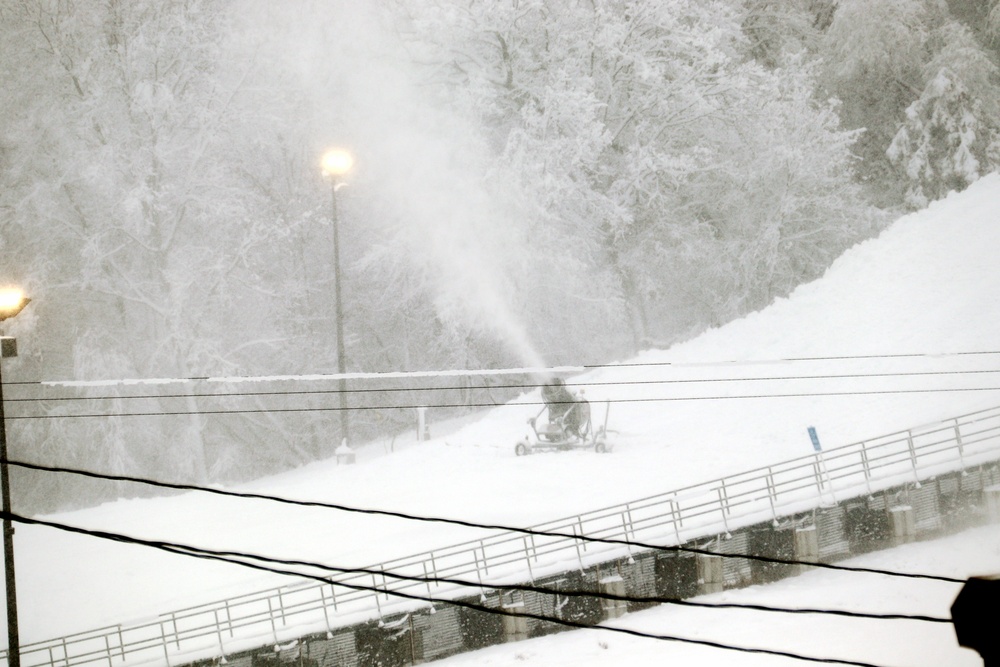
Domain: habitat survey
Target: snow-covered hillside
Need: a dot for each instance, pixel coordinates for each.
(902, 330)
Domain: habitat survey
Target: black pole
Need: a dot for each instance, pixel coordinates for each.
(341, 356)
(13, 641)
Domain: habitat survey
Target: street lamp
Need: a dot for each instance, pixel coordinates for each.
(336, 163)
(12, 301)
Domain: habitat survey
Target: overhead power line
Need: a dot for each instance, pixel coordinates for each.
(247, 560)
(465, 523)
(410, 406)
(486, 387)
(497, 371)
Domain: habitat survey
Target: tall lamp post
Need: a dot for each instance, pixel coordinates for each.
(336, 163)
(12, 301)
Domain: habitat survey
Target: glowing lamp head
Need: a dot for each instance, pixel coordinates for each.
(337, 162)
(12, 300)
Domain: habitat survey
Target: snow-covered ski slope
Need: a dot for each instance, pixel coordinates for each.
(902, 330)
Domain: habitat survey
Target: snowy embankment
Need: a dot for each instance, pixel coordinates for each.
(901, 331)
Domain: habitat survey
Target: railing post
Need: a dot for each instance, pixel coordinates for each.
(866, 468)
(333, 597)
(121, 644)
(270, 616)
(326, 612)
(527, 559)
(378, 605)
(576, 545)
(958, 443)
(625, 531)
(913, 457)
(724, 494)
(819, 466)
(218, 631)
(385, 582)
(229, 619)
(479, 571)
(177, 635)
(281, 607)
(772, 495)
(724, 508)
(427, 578)
(166, 651)
(675, 515)
(486, 564)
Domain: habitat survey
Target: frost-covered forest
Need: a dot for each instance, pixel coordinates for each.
(536, 182)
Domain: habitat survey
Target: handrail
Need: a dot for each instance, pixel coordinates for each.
(668, 519)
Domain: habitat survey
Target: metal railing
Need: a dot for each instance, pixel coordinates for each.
(668, 519)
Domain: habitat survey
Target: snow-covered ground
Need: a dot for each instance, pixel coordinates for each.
(907, 323)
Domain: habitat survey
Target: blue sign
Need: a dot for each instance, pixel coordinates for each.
(814, 438)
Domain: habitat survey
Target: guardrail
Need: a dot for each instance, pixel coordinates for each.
(667, 519)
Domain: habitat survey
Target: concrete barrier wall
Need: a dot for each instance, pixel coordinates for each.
(853, 526)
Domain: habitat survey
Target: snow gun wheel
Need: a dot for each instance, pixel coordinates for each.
(601, 442)
(521, 449)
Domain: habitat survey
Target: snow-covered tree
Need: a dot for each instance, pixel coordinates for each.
(628, 124)
(778, 29)
(121, 179)
(951, 134)
(875, 51)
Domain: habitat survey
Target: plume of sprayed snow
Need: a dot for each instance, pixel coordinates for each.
(423, 171)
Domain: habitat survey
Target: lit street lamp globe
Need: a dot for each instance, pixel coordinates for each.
(337, 162)
(12, 301)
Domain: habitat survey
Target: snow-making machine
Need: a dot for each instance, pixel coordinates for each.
(568, 424)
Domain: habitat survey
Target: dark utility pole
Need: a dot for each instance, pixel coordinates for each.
(12, 301)
(13, 641)
(345, 425)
